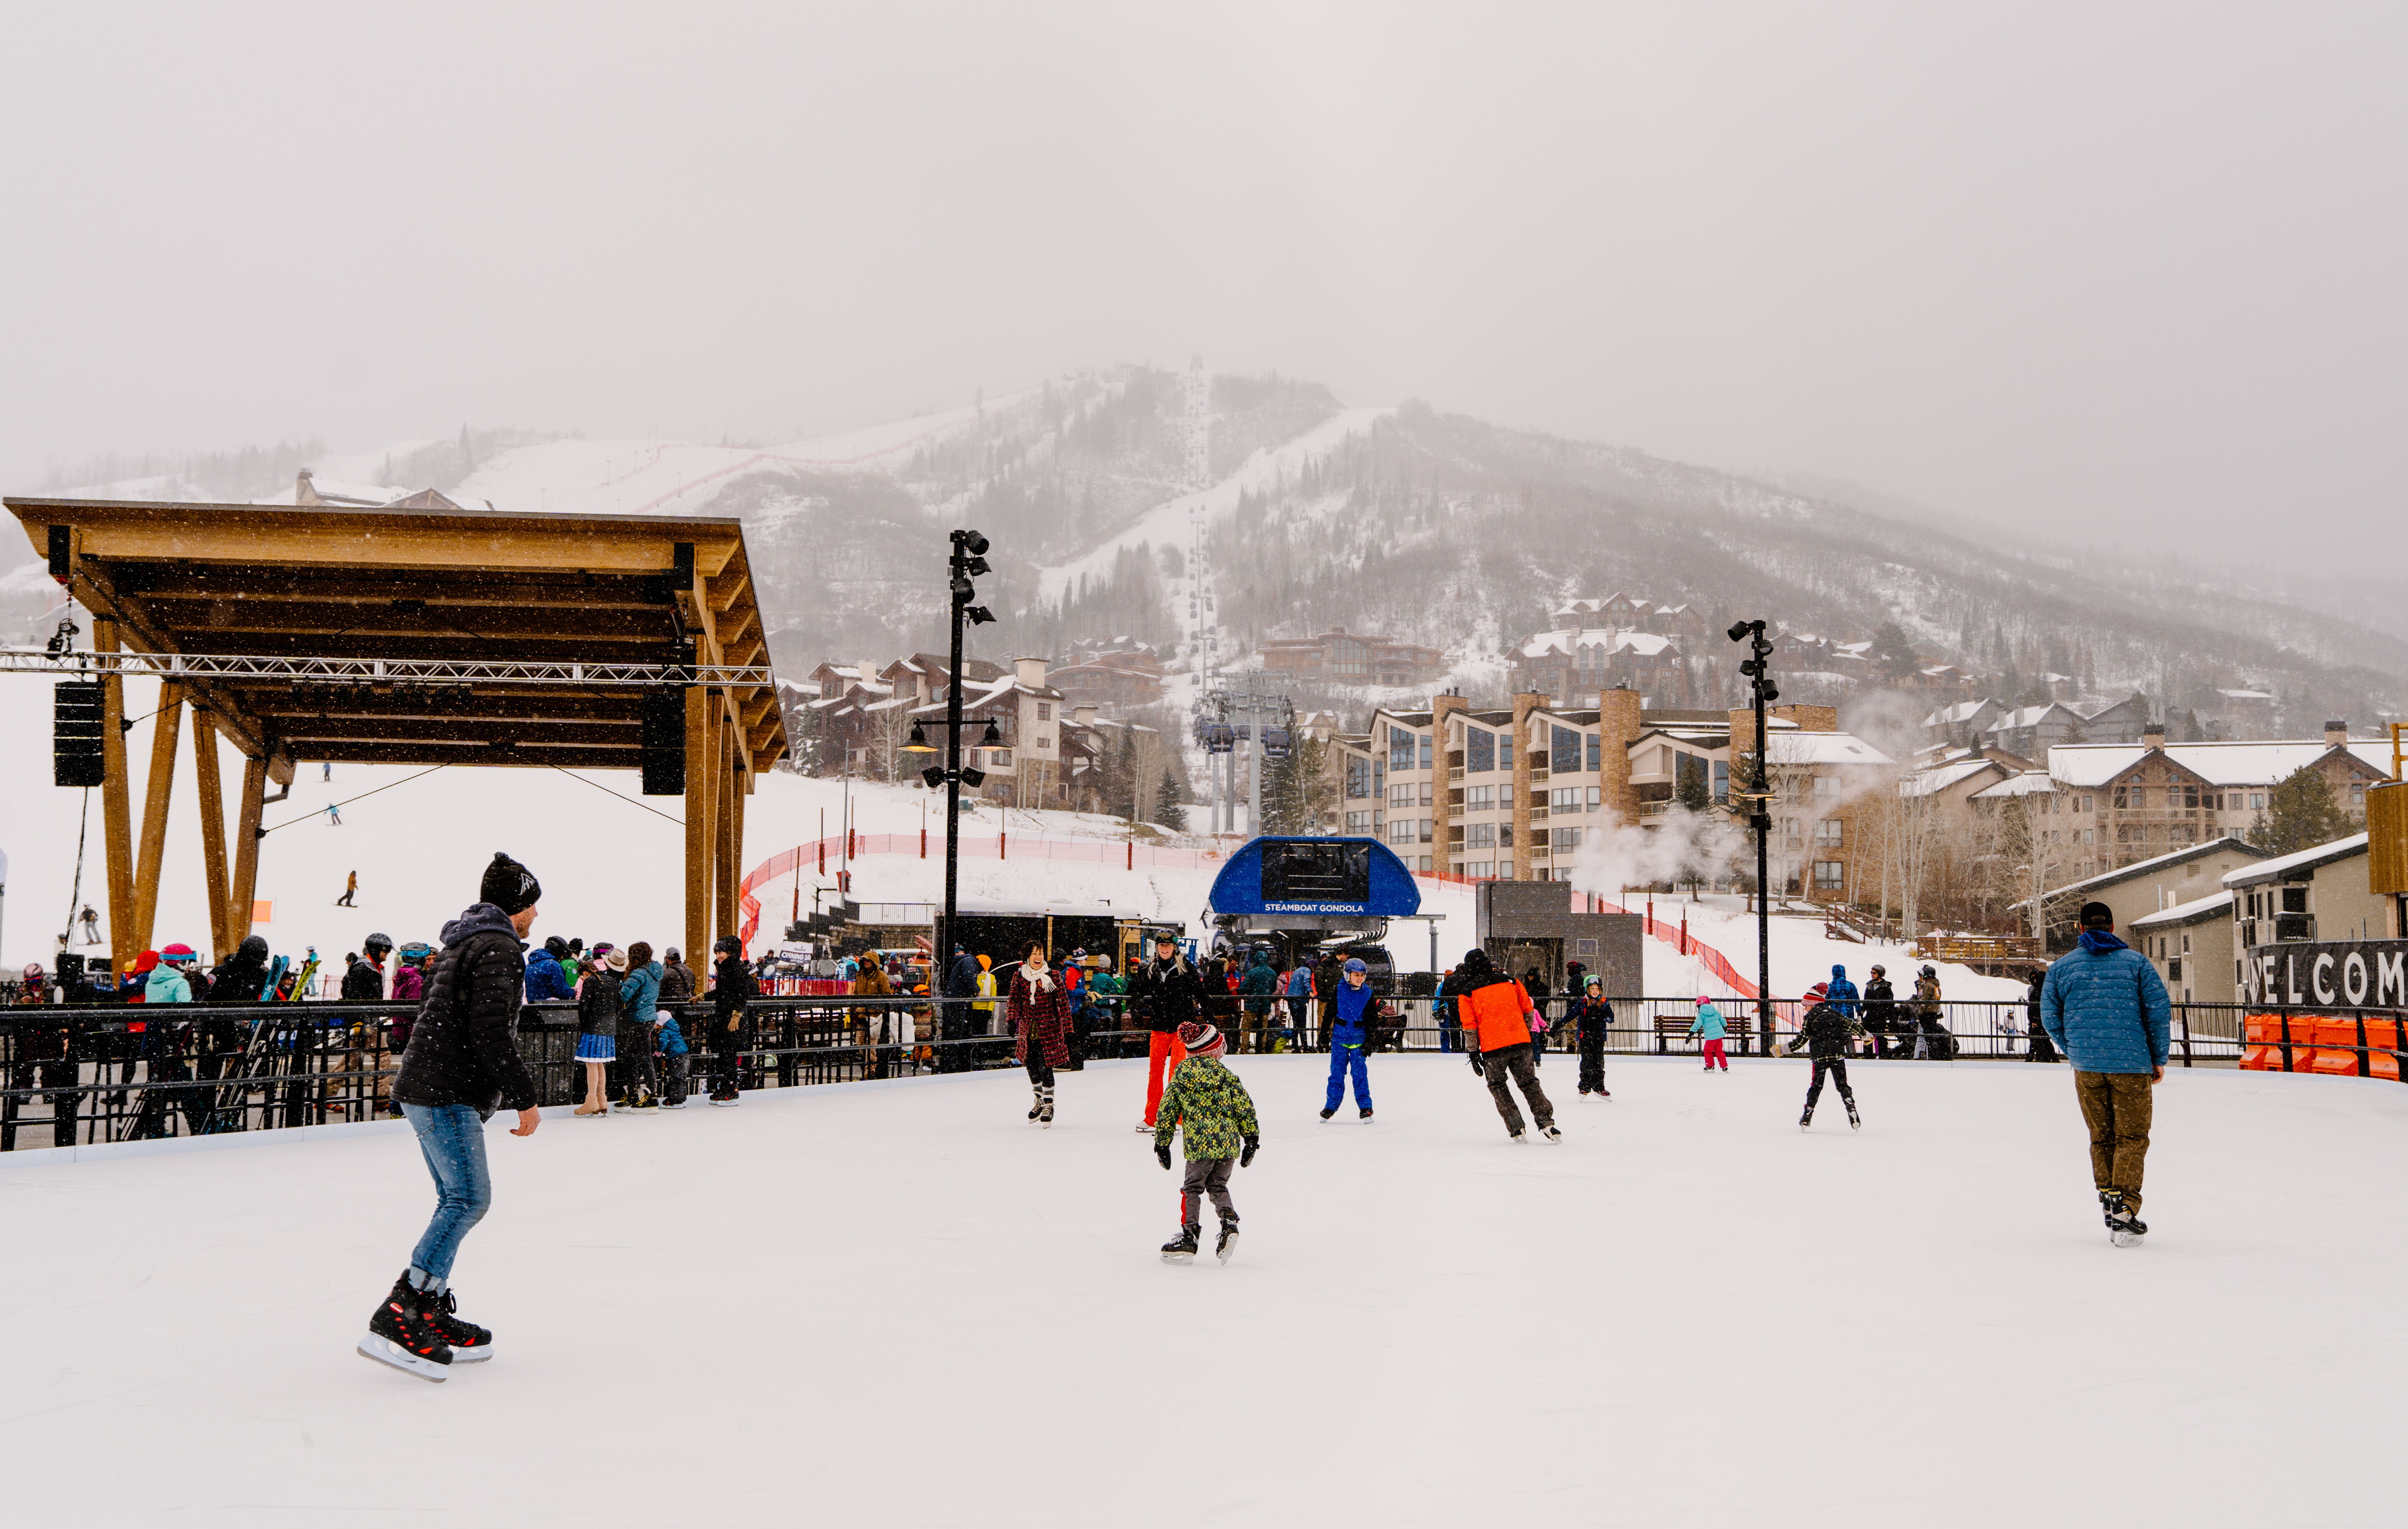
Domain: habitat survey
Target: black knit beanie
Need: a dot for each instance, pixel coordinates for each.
(508, 885)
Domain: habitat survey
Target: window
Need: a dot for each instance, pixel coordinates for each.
(1400, 831)
(1595, 757)
(2256, 801)
(1426, 824)
(1722, 780)
(1426, 788)
(1358, 776)
(1563, 751)
(1479, 750)
(1479, 869)
(2358, 795)
(2090, 804)
(1596, 797)
(2123, 797)
(1480, 835)
(1430, 742)
(2190, 798)
(1827, 785)
(1401, 749)
(1426, 863)
(1043, 742)
(1480, 798)
(1565, 839)
(1044, 711)
(1504, 837)
(1358, 822)
(1564, 799)
(1827, 833)
(1830, 873)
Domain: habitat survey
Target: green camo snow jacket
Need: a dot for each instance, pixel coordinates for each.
(1218, 1111)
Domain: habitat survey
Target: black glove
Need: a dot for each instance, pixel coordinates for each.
(1162, 1154)
(1246, 1158)
(1476, 1065)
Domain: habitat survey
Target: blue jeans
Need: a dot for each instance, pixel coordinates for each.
(1347, 1058)
(453, 1136)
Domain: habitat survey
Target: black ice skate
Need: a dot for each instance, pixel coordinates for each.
(1326, 1113)
(1226, 1248)
(1855, 1121)
(1366, 1116)
(1806, 1121)
(400, 1335)
(1518, 1139)
(1045, 1106)
(1036, 1100)
(1551, 1132)
(1181, 1248)
(2124, 1228)
(469, 1343)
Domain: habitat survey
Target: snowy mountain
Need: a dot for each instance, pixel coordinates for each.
(1099, 489)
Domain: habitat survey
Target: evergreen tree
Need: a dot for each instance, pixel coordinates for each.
(2301, 813)
(1895, 651)
(1692, 792)
(1170, 813)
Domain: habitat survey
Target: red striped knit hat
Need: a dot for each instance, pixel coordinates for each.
(1199, 1039)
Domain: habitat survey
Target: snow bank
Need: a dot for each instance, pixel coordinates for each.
(1687, 1313)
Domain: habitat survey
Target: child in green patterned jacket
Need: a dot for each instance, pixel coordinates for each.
(1219, 1116)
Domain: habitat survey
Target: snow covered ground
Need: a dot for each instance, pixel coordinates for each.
(898, 1304)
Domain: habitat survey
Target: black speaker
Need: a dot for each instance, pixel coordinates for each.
(663, 743)
(77, 725)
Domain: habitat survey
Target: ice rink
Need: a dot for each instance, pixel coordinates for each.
(901, 1304)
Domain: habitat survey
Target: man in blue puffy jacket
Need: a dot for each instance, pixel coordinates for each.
(2106, 1009)
(1840, 994)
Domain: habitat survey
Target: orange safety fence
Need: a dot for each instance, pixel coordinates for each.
(2347, 1045)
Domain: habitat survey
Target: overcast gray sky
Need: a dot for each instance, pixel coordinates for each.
(2117, 268)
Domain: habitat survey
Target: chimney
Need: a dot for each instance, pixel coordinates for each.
(1083, 715)
(2336, 733)
(2153, 735)
(305, 489)
(1029, 672)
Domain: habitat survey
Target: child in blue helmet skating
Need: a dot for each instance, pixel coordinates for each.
(1351, 1010)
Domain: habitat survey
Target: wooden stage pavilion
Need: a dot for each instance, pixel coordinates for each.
(396, 635)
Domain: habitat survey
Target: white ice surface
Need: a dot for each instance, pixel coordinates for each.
(899, 1303)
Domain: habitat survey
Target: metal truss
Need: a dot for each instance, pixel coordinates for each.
(376, 671)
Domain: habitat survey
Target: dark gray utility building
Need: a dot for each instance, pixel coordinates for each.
(1524, 924)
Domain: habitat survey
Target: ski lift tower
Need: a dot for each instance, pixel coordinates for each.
(1244, 711)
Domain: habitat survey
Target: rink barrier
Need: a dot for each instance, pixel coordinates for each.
(320, 1063)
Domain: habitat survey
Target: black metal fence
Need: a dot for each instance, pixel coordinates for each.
(80, 1075)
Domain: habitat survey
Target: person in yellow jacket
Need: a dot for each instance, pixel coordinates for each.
(985, 1010)
(1495, 1013)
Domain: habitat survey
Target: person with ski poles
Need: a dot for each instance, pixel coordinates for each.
(1827, 1033)
(1351, 1010)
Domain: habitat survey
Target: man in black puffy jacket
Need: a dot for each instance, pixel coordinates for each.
(731, 988)
(462, 1062)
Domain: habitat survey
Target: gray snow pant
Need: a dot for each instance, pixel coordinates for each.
(1513, 1062)
(1207, 1176)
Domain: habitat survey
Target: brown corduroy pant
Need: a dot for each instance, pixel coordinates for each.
(2118, 1107)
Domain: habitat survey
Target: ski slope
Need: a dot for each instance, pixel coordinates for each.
(1686, 1314)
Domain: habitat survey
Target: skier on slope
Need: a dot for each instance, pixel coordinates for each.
(462, 1060)
(1212, 1107)
(2106, 1008)
(1351, 1010)
(1496, 1013)
(1827, 1032)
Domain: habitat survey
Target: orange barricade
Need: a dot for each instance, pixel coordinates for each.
(2264, 1035)
(2383, 1042)
(2336, 1046)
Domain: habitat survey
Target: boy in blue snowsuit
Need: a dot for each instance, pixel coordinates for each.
(1350, 1008)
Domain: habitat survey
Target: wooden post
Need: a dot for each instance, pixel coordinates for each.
(116, 808)
(213, 845)
(166, 733)
(701, 844)
(241, 891)
(727, 820)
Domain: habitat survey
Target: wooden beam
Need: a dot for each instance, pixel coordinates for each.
(213, 843)
(727, 589)
(90, 584)
(402, 548)
(245, 884)
(701, 844)
(167, 733)
(116, 808)
(304, 735)
(478, 756)
(729, 821)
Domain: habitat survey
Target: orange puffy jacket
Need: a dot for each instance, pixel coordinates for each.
(1496, 1013)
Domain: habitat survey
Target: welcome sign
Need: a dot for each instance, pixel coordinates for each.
(2367, 972)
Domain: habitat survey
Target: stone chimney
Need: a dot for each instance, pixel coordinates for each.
(1808, 719)
(2153, 735)
(1619, 723)
(305, 489)
(2336, 733)
(1029, 672)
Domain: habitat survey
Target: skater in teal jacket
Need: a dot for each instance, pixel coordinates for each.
(1708, 1025)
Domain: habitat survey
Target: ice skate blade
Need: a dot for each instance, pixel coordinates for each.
(1228, 1249)
(1179, 1258)
(2123, 1238)
(385, 1351)
(476, 1356)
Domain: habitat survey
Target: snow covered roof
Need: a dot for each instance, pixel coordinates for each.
(1938, 778)
(1800, 746)
(2286, 868)
(2025, 783)
(2024, 716)
(2245, 694)
(1647, 644)
(2221, 763)
(2181, 913)
(1963, 711)
(2156, 863)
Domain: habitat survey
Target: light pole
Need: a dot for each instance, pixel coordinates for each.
(1760, 819)
(967, 561)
